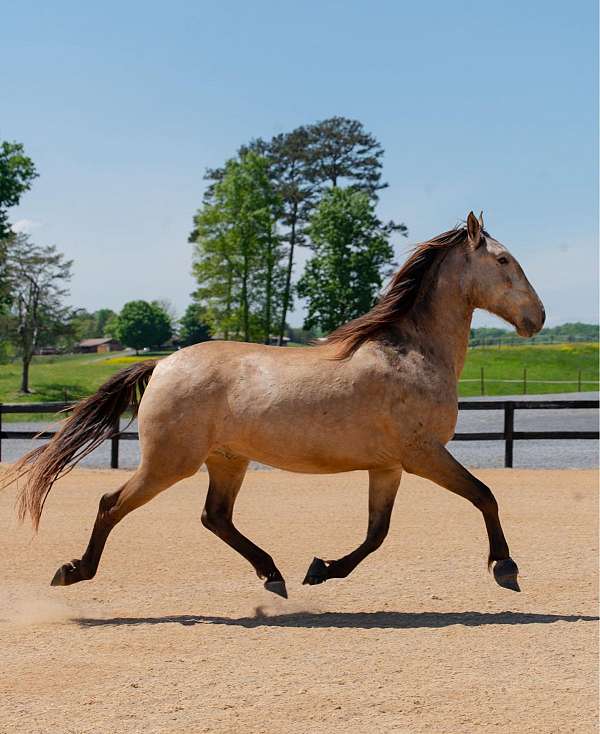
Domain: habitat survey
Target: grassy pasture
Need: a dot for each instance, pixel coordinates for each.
(547, 362)
(57, 378)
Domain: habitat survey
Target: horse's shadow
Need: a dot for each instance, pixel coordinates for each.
(354, 620)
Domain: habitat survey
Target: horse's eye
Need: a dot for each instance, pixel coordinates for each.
(503, 260)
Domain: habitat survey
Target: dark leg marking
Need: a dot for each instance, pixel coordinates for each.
(226, 477)
(383, 486)
(442, 468)
(85, 568)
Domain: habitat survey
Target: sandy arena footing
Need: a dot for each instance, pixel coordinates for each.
(176, 634)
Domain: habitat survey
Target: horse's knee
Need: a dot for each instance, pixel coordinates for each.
(485, 500)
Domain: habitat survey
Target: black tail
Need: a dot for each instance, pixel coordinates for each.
(92, 421)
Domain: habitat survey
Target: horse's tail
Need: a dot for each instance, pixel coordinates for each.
(92, 421)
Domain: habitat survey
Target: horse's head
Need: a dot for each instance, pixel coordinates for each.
(496, 282)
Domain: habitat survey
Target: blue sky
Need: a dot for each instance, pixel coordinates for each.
(123, 105)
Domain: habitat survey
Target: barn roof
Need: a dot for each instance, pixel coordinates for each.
(96, 342)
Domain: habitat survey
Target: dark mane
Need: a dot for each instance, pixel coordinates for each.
(399, 296)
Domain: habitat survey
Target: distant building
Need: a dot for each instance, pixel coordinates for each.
(99, 346)
(274, 341)
(47, 350)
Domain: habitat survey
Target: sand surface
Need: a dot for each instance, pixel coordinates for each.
(176, 634)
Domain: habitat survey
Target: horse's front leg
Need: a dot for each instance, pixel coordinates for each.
(436, 463)
(383, 486)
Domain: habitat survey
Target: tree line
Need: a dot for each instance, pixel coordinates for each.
(34, 285)
(573, 331)
(315, 187)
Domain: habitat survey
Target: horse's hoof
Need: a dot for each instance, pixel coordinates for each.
(277, 587)
(317, 573)
(505, 573)
(67, 574)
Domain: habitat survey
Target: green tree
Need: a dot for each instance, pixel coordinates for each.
(267, 277)
(303, 165)
(290, 158)
(17, 173)
(36, 277)
(192, 326)
(352, 255)
(111, 327)
(168, 307)
(342, 152)
(83, 325)
(102, 317)
(238, 253)
(88, 325)
(142, 324)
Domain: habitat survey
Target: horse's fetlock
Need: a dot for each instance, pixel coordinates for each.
(86, 572)
(267, 569)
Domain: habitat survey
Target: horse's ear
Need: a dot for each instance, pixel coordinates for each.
(481, 224)
(473, 230)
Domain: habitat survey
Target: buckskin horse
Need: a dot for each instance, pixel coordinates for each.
(380, 394)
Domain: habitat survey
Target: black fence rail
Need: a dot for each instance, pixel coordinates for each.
(521, 384)
(508, 434)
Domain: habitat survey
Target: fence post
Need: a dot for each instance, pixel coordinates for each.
(114, 446)
(482, 382)
(524, 380)
(579, 381)
(509, 427)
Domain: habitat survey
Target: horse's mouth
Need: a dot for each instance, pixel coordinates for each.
(527, 328)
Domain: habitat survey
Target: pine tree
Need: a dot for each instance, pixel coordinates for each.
(342, 153)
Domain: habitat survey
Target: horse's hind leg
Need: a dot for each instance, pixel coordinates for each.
(141, 488)
(226, 477)
(383, 486)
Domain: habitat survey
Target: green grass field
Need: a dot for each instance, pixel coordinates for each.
(60, 378)
(71, 377)
(560, 362)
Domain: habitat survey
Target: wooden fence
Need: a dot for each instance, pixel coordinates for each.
(508, 434)
(524, 382)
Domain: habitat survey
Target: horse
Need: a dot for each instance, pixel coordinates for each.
(379, 394)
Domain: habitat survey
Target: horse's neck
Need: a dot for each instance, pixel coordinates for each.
(442, 320)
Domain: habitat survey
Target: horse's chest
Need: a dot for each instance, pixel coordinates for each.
(423, 418)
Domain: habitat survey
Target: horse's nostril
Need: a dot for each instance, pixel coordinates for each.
(543, 315)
